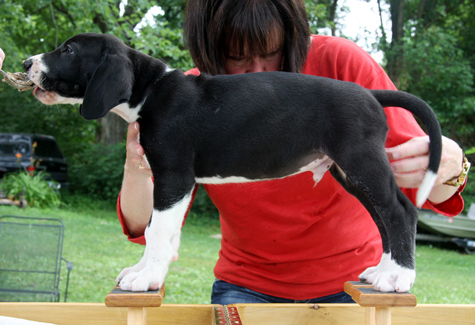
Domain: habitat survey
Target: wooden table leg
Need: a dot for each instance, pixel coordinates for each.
(136, 316)
(382, 315)
(370, 316)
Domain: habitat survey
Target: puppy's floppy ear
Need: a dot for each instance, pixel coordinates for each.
(110, 86)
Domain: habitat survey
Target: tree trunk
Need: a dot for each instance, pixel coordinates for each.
(395, 54)
(332, 16)
(112, 129)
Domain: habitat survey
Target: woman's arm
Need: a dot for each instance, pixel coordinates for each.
(136, 198)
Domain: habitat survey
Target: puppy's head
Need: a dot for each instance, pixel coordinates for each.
(89, 69)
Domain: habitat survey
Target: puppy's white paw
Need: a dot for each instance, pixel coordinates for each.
(148, 274)
(389, 276)
(124, 272)
(162, 236)
(150, 277)
(134, 269)
(405, 280)
(369, 274)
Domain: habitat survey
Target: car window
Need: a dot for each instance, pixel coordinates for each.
(47, 148)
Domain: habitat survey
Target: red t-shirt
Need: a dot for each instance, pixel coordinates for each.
(289, 238)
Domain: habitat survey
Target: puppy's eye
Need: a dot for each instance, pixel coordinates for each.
(68, 50)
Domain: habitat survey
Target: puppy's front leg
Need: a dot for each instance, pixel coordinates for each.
(162, 238)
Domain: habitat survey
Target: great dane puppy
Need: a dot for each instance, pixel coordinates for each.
(241, 128)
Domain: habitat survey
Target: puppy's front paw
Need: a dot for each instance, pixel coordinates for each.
(150, 277)
(389, 276)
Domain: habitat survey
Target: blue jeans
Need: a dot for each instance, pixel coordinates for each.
(225, 293)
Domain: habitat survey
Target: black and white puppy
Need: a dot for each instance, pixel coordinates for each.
(241, 128)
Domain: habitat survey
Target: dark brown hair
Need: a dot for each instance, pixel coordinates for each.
(214, 28)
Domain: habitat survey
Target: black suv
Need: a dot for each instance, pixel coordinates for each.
(32, 152)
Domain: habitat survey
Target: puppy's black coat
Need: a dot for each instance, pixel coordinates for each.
(246, 127)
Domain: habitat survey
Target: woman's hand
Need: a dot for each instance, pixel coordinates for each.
(135, 162)
(2, 57)
(410, 160)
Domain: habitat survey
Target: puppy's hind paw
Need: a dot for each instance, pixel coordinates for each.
(368, 275)
(405, 280)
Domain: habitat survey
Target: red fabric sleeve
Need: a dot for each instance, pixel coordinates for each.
(138, 240)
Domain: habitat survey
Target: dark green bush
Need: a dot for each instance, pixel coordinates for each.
(96, 171)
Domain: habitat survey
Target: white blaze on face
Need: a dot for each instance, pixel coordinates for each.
(37, 67)
(34, 73)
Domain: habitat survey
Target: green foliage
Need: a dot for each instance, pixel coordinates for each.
(28, 28)
(21, 112)
(161, 41)
(318, 15)
(436, 61)
(96, 171)
(326, 15)
(469, 191)
(85, 204)
(38, 193)
(35, 27)
(203, 211)
(437, 71)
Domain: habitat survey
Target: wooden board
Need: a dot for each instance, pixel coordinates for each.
(366, 296)
(275, 314)
(120, 298)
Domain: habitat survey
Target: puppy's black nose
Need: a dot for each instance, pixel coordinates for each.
(27, 64)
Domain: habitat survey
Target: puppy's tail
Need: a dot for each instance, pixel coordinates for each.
(422, 110)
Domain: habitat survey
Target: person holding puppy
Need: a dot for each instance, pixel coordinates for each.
(289, 240)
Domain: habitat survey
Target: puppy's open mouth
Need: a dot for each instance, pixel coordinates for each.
(38, 91)
(45, 96)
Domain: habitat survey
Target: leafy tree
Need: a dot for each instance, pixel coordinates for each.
(431, 54)
(438, 71)
(434, 58)
(322, 14)
(31, 27)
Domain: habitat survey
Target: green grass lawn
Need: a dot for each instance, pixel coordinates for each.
(95, 244)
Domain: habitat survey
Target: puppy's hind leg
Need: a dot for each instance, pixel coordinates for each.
(371, 272)
(354, 190)
(373, 184)
(162, 241)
